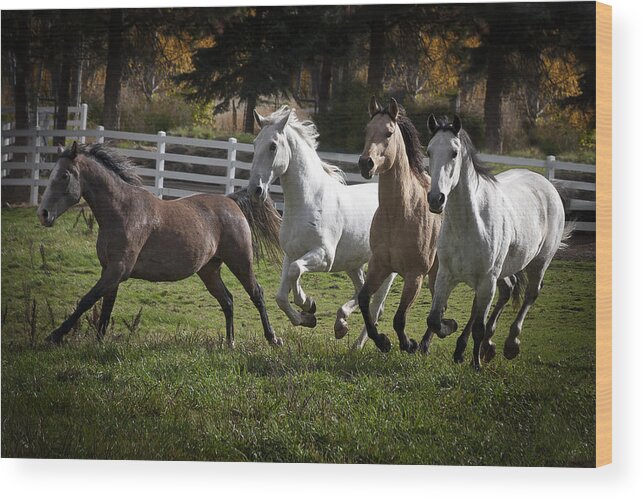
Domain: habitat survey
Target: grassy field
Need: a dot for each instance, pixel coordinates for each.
(170, 389)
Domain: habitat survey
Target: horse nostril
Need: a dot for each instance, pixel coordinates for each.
(370, 163)
(441, 198)
(259, 191)
(44, 214)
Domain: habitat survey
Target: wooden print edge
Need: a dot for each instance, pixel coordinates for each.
(603, 234)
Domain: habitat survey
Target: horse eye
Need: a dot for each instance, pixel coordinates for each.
(65, 175)
(388, 134)
(273, 147)
(455, 153)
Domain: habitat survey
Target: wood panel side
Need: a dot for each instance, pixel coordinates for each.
(603, 234)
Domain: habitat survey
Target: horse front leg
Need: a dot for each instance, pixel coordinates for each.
(108, 283)
(291, 272)
(444, 284)
(374, 279)
(485, 291)
(505, 287)
(448, 326)
(463, 339)
(412, 286)
(283, 293)
(377, 308)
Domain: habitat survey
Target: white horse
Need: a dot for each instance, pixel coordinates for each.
(497, 230)
(326, 223)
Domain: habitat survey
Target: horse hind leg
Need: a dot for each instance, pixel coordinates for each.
(344, 312)
(505, 287)
(376, 308)
(210, 274)
(242, 270)
(106, 312)
(535, 272)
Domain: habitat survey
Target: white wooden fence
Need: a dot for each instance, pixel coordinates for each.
(151, 148)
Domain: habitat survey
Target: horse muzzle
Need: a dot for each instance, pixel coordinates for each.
(366, 166)
(436, 203)
(46, 217)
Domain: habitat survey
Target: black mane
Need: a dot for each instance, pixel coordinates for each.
(121, 166)
(478, 165)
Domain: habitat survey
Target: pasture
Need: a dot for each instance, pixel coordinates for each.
(167, 387)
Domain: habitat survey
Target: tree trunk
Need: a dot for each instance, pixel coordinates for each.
(324, 84)
(19, 25)
(376, 63)
(63, 98)
(249, 119)
(22, 81)
(114, 72)
(493, 99)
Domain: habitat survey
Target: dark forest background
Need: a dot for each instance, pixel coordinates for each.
(521, 75)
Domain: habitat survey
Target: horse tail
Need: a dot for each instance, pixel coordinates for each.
(264, 221)
(569, 228)
(520, 284)
(565, 194)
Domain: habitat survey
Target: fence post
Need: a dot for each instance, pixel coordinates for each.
(232, 157)
(6, 142)
(160, 164)
(551, 168)
(35, 170)
(83, 121)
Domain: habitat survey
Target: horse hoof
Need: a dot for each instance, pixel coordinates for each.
(458, 357)
(230, 344)
(512, 349)
(413, 346)
(308, 320)
(277, 342)
(341, 328)
(383, 343)
(54, 339)
(488, 351)
(424, 348)
(447, 327)
(313, 308)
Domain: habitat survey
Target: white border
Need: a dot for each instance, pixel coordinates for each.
(98, 479)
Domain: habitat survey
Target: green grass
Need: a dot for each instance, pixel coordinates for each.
(172, 390)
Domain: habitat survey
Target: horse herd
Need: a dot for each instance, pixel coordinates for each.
(456, 222)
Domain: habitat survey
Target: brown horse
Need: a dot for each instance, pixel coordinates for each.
(403, 233)
(143, 237)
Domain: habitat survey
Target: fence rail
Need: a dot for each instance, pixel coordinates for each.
(160, 164)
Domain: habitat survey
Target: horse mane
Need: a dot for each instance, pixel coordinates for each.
(308, 132)
(411, 137)
(124, 168)
(479, 166)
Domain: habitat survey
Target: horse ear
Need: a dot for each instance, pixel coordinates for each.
(74, 150)
(457, 124)
(432, 123)
(284, 121)
(393, 109)
(61, 149)
(261, 121)
(373, 106)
